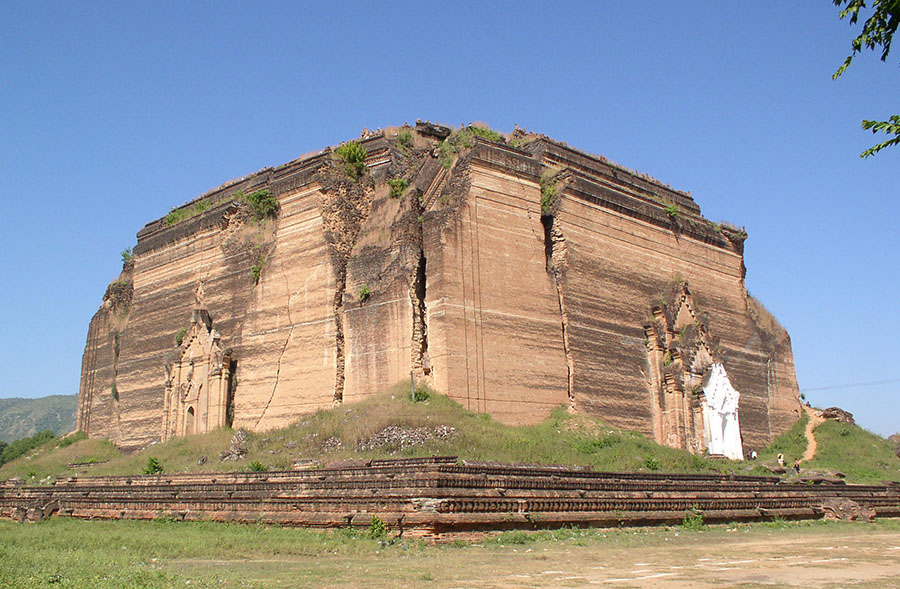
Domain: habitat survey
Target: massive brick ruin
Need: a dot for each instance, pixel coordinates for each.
(514, 274)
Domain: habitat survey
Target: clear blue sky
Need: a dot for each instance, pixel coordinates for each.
(112, 113)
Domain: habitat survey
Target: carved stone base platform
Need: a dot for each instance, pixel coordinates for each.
(433, 496)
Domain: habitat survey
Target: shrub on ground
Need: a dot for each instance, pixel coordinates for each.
(153, 466)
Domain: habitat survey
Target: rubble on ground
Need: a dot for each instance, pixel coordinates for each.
(839, 415)
(406, 437)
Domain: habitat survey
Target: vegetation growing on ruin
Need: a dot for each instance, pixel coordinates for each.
(723, 227)
(127, 255)
(549, 181)
(763, 317)
(119, 294)
(486, 133)
(453, 145)
(179, 336)
(673, 210)
(520, 141)
(693, 521)
(732, 231)
(461, 139)
(729, 230)
(377, 528)
(353, 155)
(447, 153)
(175, 215)
(178, 214)
(256, 268)
(262, 203)
(364, 293)
(404, 140)
(398, 186)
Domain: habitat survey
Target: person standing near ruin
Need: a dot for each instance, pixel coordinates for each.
(781, 459)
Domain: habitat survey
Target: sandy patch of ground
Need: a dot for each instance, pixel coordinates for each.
(842, 555)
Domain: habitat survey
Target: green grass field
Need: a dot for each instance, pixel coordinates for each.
(357, 430)
(73, 553)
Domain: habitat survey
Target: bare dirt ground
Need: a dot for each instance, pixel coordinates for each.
(814, 420)
(812, 555)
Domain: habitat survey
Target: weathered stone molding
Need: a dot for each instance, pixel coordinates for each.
(435, 496)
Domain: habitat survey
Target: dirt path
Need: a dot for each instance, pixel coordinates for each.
(814, 420)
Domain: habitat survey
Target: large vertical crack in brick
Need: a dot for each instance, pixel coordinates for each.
(338, 313)
(421, 364)
(345, 206)
(114, 391)
(284, 348)
(555, 251)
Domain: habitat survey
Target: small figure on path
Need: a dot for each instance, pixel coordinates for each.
(797, 465)
(780, 459)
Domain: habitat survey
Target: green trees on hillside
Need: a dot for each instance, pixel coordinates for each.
(15, 449)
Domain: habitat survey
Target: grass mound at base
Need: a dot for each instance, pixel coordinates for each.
(391, 425)
(861, 455)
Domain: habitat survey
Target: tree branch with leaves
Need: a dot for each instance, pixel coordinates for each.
(877, 33)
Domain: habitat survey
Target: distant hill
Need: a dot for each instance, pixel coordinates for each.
(20, 418)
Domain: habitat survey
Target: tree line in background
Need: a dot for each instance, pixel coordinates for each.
(20, 447)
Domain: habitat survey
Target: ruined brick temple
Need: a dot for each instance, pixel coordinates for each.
(514, 274)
